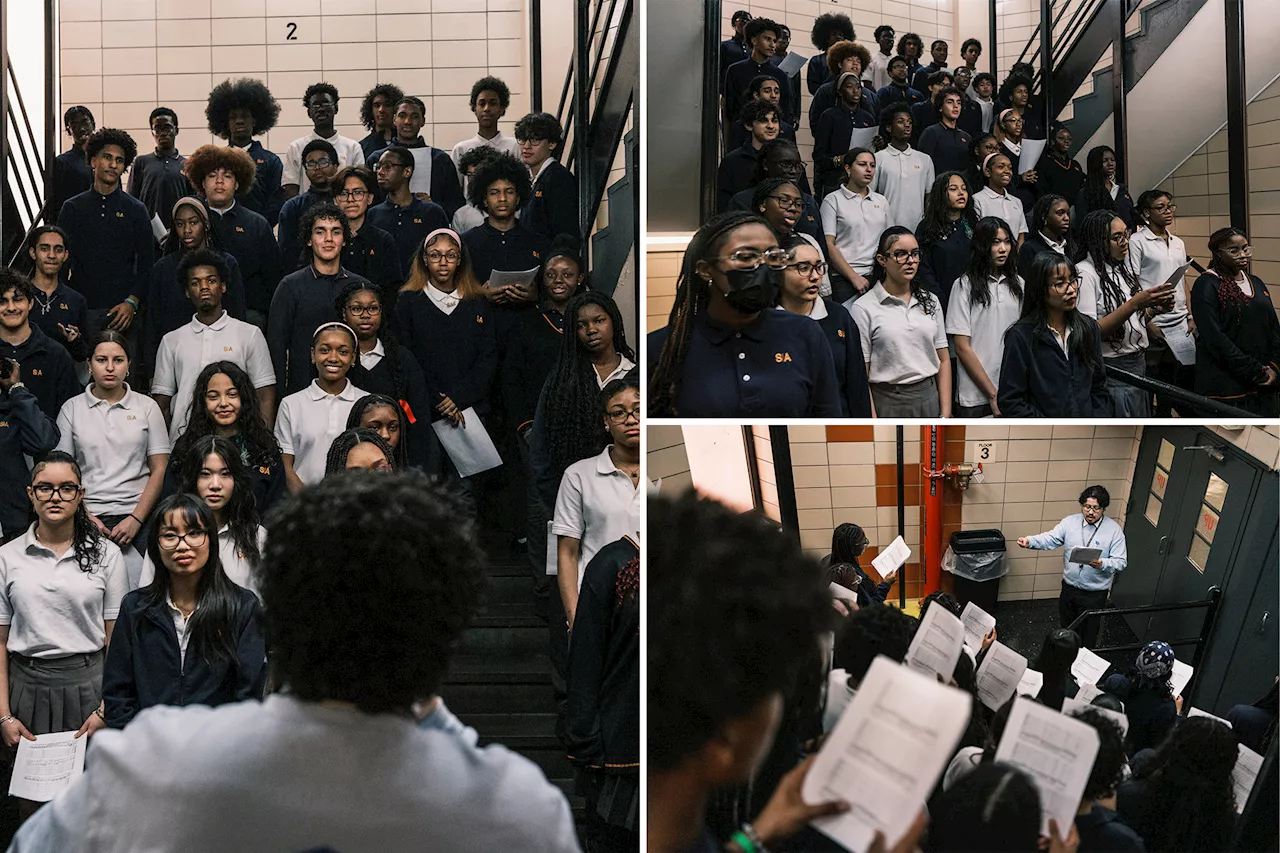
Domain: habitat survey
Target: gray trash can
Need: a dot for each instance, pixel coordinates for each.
(977, 561)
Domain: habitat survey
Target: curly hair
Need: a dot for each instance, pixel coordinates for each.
(319, 89)
(248, 93)
(491, 84)
(400, 453)
(478, 156)
(981, 269)
(315, 213)
(842, 50)
(829, 26)
(258, 444)
(390, 92)
(76, 112)
(86, 540)
(890, 113)
(1192, 799)
(202, 257)
(104, 136)
(11, 279)
(241, 513)
(756, 26)
(503, 167)
(910, 38)
(1109, 764)
(936, 224)
(540, 126)
(756, 110)
(734, 608)
(871, 631)
(400, 593)
(1010, 83)
(346, 441)
(208, 159)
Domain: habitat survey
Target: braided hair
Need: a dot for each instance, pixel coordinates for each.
(928, 302)
(86, 541)
(259, 445)
(692, 297)
(981, 268)
(336, 460)
(1096, 195)
(390, 345)
(399, 453)
(241, 514)
(1230, 296)
(1191, 790)
(1117, 281)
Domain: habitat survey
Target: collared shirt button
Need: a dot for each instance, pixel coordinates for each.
(742, 355)
(746, 377)
(737, 334)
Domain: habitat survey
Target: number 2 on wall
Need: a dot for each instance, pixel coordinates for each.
(293, 32)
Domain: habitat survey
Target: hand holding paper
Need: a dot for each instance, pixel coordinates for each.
(46, 766)
(1056, 751)
(892, 558)
(999, 675)
(977, 623)
(937, 644)
(1088, 668)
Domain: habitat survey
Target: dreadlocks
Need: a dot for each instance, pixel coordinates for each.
(1117, 282)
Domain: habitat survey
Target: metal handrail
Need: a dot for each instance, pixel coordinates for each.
(1179, 395)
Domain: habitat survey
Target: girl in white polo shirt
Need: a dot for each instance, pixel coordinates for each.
(995, 199)
(119, 439)
(309, 420)
(1156, 253)
(61, 584)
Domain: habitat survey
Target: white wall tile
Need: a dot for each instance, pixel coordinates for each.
(139, 88)
(79, 34)
(184, 32)
(82, 90)
(80, 10)
(240, 31)
(138, 60)
(293, 7)
(418, 27)
(245, 59)
(129, 10)
(77, 63)
(128, 33)
(505, 25)
(184, 87)
(186, 10)
(406, 54)
(184, 60)
(301, 29)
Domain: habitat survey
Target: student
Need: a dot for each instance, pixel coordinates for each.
(1110, 293)
(970, 120)
(945, 142)
(735, 48)
(46, 369)
(226, 176)
(320, 160)
(25, 431)
(468, 216)
(61, 584)
(799, 295)
(970, 50)
(306, 297)
(983, 90)
(385, 366)
(225, 403)
(1050, 228)
(333, 711)
(191, 636)
(924, 75)
(907, 361)
(980, 148)
(903, 175)
(897, 89)
(377, 114)
(782, 204)
(1238, 338)
(728, 280)
(853, 218)
(996, 200)
(1053, 355)
(159, 179)
(761, 88)
(843, 58)
(761, 35)
(877, 70)
(848, 542)
(321, 101)
(1148, 698)
(781, 50)
(490, 98)
(1155, 255)
(733, 174)
(1096, 822)
(212, 334)
(119, 439)
(309, 420)
(1101, 191)
(382, 415)
(239, 111)
(1059, 173)
(402, 214)
(112, 247)
(500, 187)
(359, 448)
(995, 807)
(1015, 93)
(599, 497)
(781, 159)
(71, 172)
(829, 29)
(924, 115)
(868, 633)
(945, 235)
(1008, 133)
(911, 48)
(553, 207)
(1057, 653)
(987, 301)
(434, 177)
(371, 252)
(445, 321)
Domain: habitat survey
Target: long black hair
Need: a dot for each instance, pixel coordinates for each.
(86, 539)
(400, 453)
(572, 391)
(391, 346)
(1096, 194)
(692, 297)
(1057, 653)
(259, 445)
(936, 224)
(346, 441)
(1117, 281)
(241, 514)
(212, 624)
(1035, 307)
(928, 302)
(1040, 215)
(981, 268)
(1191, 791)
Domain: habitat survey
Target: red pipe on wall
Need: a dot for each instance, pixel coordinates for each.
(932, 537)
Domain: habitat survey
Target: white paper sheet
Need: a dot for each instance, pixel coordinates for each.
(157, 228)
(1088, 692)
(1245, 773)
(861, 137)
(1031, 683)
(1196, 712)
(791, 63)
(46, 766)
(1180, 676)
(1030, 155)
(843, 593)
(1070, 706)
(420, 180)
(1088, 667)
(937, 644)
(892, 558)
(885, 754)
(1084, 555)
(1056, 751)
(469, 446)
(999, 675)
(1181, 343)
(523, 278)
(977, 622)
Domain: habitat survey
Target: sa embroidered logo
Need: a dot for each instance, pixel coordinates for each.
(782, 357)
(417, 221)
(62, 306)
(37, 373)
(239, 229)
(479, 319)
(537, 194)
(228, 349)
(264, 469)
(130, 417)
(536, 255)
(840, 332)
(262, 161)
(120, 214)
(917, 167)
(4, 424)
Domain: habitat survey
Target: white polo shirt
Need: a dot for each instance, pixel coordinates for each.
(111, 443)
(597, 504)
(307, 424)
(904, 177)
(369, 360)
(1154, 262)
(52, 608)
(501, 142)
(878, 69)
(1090, 302)
(234, 563)
(856, 223)
(185, 351)
(991, 203)
(899, 339)
(349, 154)
(985, 325)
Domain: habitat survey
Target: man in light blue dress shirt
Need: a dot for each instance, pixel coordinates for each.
(1085, 586)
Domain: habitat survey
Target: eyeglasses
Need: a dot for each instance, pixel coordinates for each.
(385, 165)
(1164, 208)
(67, 491)
(787, 203)
(1070, 284)
(791, 167)
(621, 416)
(444, 256)
(901, 256)
(752, 258)
(318, 164)
(1238, 251)
(193, 538)
(808, 268)
(351, 194)
(1121, 237)
(365, 310)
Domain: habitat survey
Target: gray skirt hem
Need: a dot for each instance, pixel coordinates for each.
(57, 694)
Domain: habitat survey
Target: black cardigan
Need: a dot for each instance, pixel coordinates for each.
(1234, 346)
(1037, 380)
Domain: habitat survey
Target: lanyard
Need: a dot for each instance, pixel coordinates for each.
(1096, 529)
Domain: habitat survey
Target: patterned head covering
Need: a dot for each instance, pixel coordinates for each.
(1155, 661)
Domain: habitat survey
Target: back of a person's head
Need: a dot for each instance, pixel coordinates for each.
(1109, 763)
(875, 630)
(735, 608)
(368, 580)
(1057, 653)
(946, 599)
(993, 809)
(1192, 795)
(848, 541)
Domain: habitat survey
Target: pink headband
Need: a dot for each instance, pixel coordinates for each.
(1004, 113)
(334, 324)
(436, 233)
(987, 159)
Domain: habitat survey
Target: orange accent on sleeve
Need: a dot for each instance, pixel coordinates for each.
(408, 411)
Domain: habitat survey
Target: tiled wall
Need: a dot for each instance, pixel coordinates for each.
(666, 459)
(1260, 442)
(663, 256)
(763, 449)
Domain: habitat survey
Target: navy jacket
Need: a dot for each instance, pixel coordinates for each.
(169, 307)
(266, 476)
(732, 50)
(832, 140)
(846, 353)
(373, 143)
(246, 236)
(68, 307)
(739, 76)
(734, 174)
(445, 189)
(817, 72)
(895, 92)
(25, 430)
(1150, 714)
(825, 98)
(458, 352)
(46, 369)
(923, 116)
(1235, 343)
(738, 133)
(416, 400)
(159, 183)
(531, 354)
(111, 246)
(520, 248)
(1123, 206)
(1058, 178)
(1037, 380)
(267, 196)
(144, 667)
(373, 254)
(970, 120)
(920, 80)
(791, 89)
(302, 302)
(408, 226)
(553, 207)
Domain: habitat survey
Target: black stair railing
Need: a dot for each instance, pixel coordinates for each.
(24, 170)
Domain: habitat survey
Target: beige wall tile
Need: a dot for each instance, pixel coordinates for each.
(851, 453)
(853, 475)
(1020, 432)
(813, 498)
(816, 519)
(853, 496)
(1025, 472)
(808, 454)
(1015, 493)
(811, 476)
(798, 434)
(1033, 450)
(1070, 448)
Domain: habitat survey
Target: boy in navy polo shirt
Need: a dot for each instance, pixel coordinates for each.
(320, 162)
(434, 177)
(158, 180)
(762, 120)
(407, 218)
(71, 173)
(59, 310)
(762, 37)
(377, 114)
(553, 206)
(502, 243)
(370, 251)
(237, 112)
(898, 90)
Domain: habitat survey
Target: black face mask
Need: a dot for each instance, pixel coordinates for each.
(751, 291)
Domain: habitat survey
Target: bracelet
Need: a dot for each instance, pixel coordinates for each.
(135, 518)
(747, 839)
(101, 716)
(132, 302)
(6, 718)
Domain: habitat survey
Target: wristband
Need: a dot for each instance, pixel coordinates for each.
(132, 302)
(101, 715)
(6, 718)
(135, 518)
(747, 839)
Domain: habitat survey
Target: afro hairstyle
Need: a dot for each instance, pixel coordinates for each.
(825, 27)
(318, 89)
(840, 51)
(207, 159)
(756, 26)
(477, 156)
(203, 258)
(104, 136)
(162, 111)
(390, 91)
(315, 213)
(1012, 82)
(504, 167)
(248, 93)
(491, 84)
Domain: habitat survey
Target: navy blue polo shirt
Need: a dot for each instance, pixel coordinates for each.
(111, 246)
(553, 206)
(71, 176)
(948, 147)
(158, 182)
(246, 236)
(825, 98)
(895, 92)
(66, 306)
(778, 366)
(832, 139)
(739, 76)
(372, 253)
(445, 188)
(301, 303)
(792, 87)
(846, 353)
(408, 226)
(169, 307)
(518, 249)
(943, 261)
(809, 222)
(733, 175)
(373, 143)
(267, 196)
(733, 50)
(817, 72)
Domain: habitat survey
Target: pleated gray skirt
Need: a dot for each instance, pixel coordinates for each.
(55, 694)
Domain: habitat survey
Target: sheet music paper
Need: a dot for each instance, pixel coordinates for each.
(1180, 676)
(861, 137)
(1180, 342)
(1088, 692)
(1196, 712)
(420, 180)
(886, 753)
(157, 228)
(1030, 154)
(977, 622)
(469, 446)
(1056, 751)
(46, 766)
(1245, 773)
(999, 675)
(1031, 683)
(937, 644)
(1071, 706)
(843, 593)
(892, 558)
(791, 63)
(1088, 667)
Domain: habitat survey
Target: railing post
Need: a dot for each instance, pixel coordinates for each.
(711, 74)
(4, 119)
(53, 116)
(535, 54)
(1237, 117)
(991, 35)
(1206, 631)
(1117, 91)
(780, 442)
(1046, 61)
(582, 115)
